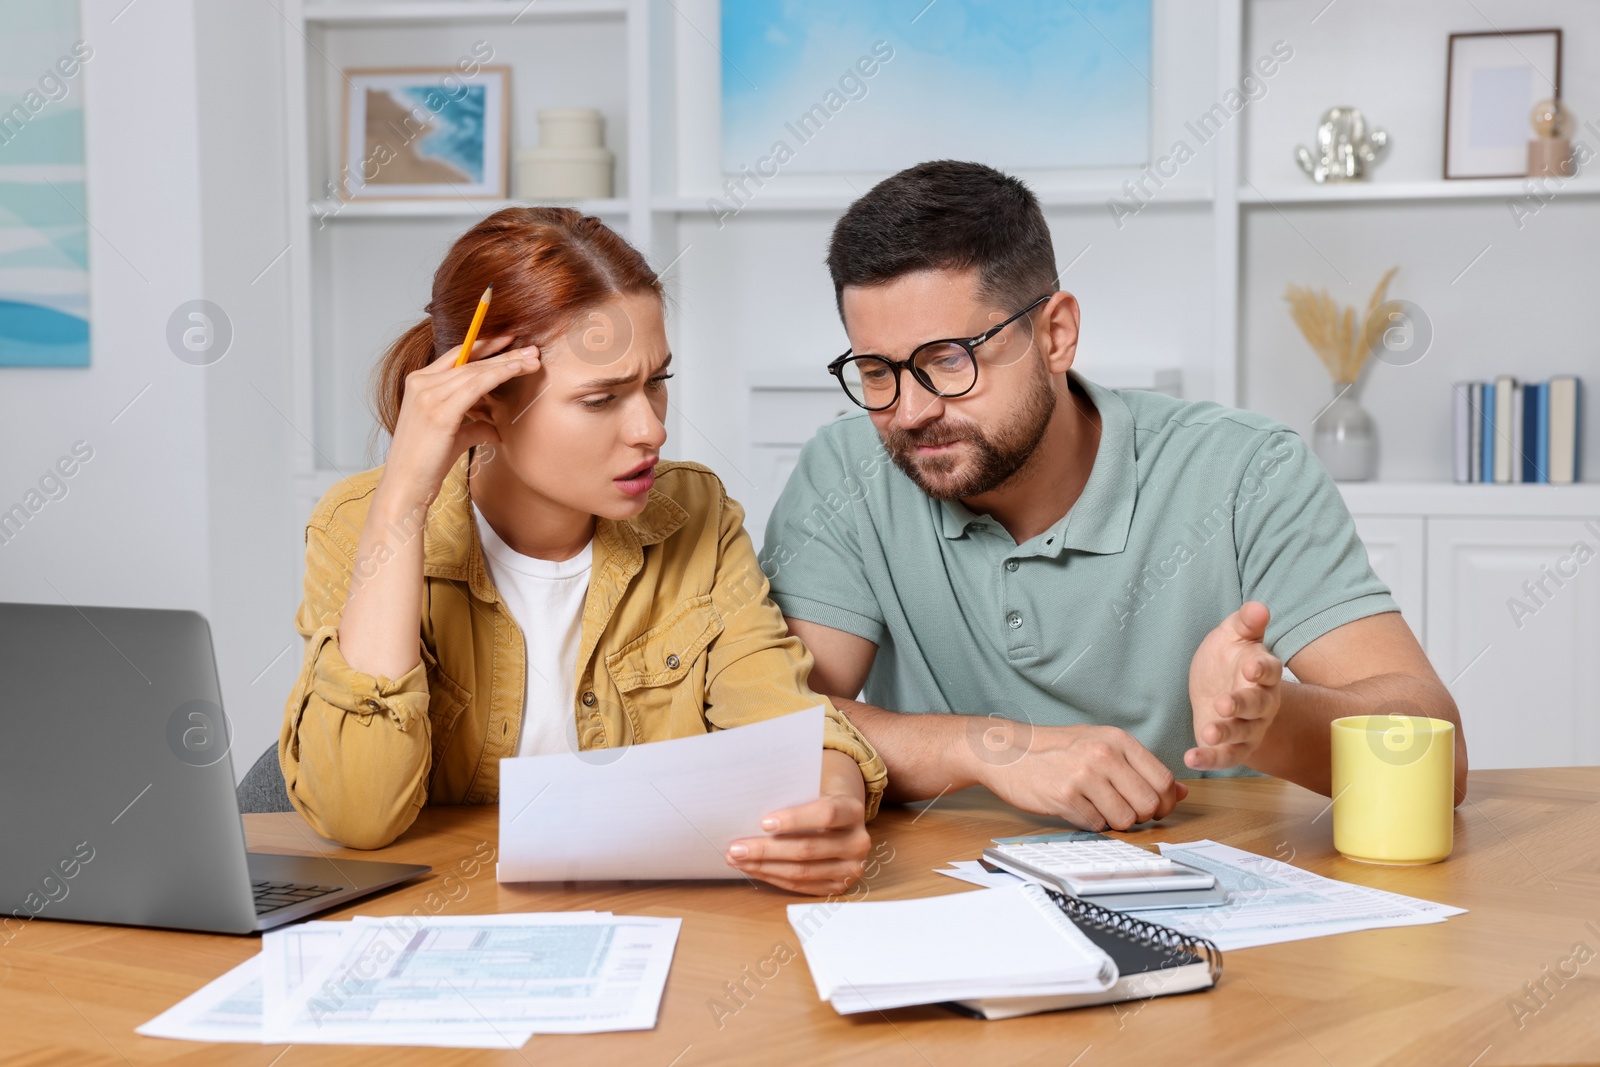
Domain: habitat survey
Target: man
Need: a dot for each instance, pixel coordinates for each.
(1097, 589)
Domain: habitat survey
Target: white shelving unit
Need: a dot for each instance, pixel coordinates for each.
(421, 12)
(1457, 500)
(445, 209)
(1376, 191)
(665, 126)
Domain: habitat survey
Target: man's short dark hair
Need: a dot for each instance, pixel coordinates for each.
(946, 215)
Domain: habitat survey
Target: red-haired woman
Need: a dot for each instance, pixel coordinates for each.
(524, 575)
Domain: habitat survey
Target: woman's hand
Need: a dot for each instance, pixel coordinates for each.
(430, 433)
(378, 630)
(816, 848)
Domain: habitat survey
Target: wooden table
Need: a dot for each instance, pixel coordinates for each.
(1526, 866)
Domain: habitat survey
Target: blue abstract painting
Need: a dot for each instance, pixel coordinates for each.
(824, 86)
(44, 248)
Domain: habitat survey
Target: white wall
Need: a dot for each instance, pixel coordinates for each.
(185, 503)
(256, 544)
(134, 523)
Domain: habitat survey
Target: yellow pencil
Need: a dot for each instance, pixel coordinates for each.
(477, 322)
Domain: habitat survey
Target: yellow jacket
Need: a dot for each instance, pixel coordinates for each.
(679, 638)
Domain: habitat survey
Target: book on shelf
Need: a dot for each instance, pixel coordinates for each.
(1503, 387)
(1514, 450)
(1509, 431)
(1462, 424)
(1475, 446)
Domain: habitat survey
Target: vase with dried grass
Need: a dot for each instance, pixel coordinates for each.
(1345, 437)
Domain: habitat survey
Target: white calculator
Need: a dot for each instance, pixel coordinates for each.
(1093, 865)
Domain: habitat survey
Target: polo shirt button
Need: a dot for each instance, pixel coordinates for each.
(1014, 621)
(588, 700)
(672, 663)
(1011, 564)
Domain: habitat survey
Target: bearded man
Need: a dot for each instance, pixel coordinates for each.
(1072, 595)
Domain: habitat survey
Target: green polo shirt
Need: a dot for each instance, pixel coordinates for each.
(1190, 510)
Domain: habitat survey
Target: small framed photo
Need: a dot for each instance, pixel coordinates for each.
(422, 133)
(1493, 79)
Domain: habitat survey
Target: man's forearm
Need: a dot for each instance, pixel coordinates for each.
(925, 754)
(1297, 747)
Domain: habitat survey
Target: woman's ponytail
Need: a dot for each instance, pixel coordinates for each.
(413, 351)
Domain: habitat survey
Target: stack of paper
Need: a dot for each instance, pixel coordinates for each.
(479, 981)
(1270, 901)
(1012, 942)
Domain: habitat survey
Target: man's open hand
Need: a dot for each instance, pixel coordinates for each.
(1235, 690)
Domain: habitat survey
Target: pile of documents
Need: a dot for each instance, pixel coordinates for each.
(1268, 901)
(471, 981)
(1271, 901)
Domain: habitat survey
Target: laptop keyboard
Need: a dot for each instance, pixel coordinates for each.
(270, 896)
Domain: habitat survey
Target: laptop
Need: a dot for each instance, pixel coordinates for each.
(117, 800)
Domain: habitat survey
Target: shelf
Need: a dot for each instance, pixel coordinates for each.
(775, 202)
(1462, 189)
(1486, 500)
(355, 13)
(332, 210)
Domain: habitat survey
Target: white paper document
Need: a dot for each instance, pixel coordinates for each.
(483, 976)
(231, 1008)
(227, 1009)
(450, 981)
(667, 809)
(1270, 901)
(972, 871)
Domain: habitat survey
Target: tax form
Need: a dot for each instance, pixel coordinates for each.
(308, 972)
(227, 1009)
(484, 977)
(1270, 901)
(231, 1008)
(667, 809)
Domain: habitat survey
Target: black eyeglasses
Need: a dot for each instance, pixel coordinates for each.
(945, 368)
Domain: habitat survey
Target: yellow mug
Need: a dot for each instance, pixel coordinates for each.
(1394, 788)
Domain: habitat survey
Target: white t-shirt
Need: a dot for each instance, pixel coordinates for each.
(546, 599)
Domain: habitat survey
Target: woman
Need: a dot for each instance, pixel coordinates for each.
(523, 575)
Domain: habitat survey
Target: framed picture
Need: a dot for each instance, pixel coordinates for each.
(1492, 81)
(423, 133)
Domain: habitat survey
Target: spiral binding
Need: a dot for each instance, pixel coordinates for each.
(1126, 925)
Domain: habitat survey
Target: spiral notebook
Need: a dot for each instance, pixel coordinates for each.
(1152, 961)
(994, 953)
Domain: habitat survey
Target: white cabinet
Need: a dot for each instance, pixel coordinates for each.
(1395, 549)
(1513, 614)
(1502, 586)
